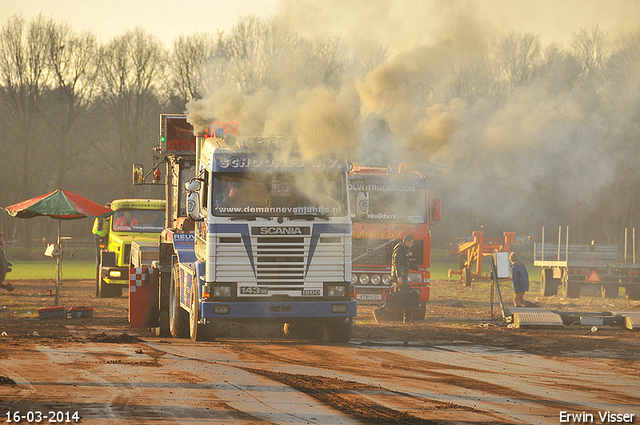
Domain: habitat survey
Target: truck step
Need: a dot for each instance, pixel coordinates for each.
(525, 316)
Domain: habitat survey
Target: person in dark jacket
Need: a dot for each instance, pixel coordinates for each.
(400, 266)
(520, 279)
(401, 262)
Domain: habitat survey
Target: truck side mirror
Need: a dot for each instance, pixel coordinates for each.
(193, 206)
(193, 200)
(362, 205)
(436, 210)
(138, 174)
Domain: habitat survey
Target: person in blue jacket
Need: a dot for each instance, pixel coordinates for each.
(520, 279)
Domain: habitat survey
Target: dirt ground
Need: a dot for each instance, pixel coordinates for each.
(454, 313)
(454, 367)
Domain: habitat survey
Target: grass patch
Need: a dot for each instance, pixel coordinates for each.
(83, 269)
(440, 270)
(39, 270)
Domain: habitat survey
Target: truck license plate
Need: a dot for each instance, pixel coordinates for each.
(253, 290)
(369, 297)
(311, 292)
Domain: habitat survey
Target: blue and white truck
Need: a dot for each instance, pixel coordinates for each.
(266, 238)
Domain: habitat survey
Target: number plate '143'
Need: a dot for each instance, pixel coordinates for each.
(253, 290)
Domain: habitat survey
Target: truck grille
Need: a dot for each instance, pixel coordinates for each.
(378, 252)
(280, 260)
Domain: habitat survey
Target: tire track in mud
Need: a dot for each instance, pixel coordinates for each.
(356, 400)
(394, 366)
(342, 395)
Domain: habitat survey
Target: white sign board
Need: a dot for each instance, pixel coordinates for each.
(503, 266)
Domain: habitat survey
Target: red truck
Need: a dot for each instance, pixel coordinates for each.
(385, 206)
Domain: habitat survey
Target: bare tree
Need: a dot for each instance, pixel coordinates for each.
(193, 61)
(132, 75)
(519, 56)
(590, 49)
(259, 52)
(24, 82)
(329, 52)
(74, 63)
(367, 58)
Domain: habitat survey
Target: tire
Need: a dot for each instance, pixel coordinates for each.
(338, 330)
(163, 304)
(548, 285)
(571, 289)
(632, 292)
(178, 317)
(466, 276)
(610, 290)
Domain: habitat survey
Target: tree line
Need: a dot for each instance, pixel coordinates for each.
(514, 133)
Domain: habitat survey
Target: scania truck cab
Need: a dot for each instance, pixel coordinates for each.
(272, 242)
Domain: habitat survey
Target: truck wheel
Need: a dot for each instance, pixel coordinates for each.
(632, 292)
(178, 320)
(548, 285)
(164, 302)
(199, 331)
(609, 291)
(466, 276)
(571, 289)
(338, 330)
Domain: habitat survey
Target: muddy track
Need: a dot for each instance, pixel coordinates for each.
(353, 399)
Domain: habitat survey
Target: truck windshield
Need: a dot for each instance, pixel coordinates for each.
(142, 221)
(296, 194)
(392, 201)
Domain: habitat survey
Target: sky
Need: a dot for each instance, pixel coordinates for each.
(166, 19)
(401, 22)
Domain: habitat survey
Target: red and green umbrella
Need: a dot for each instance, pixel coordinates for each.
(61, 205)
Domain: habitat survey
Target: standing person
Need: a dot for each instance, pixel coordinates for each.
(400, 265)
(401, 262)
(100, 231)
(520, 279)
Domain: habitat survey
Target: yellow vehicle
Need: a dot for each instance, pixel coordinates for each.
(133, 220)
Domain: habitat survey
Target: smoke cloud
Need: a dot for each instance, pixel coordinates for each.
(510, 145)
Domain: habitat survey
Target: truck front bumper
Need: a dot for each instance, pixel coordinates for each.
(274, 310)
(114, 275)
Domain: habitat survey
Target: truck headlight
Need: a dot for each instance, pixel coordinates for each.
(386, 279)
(222, 291)
(375, 279)
(336, 291)
(354, 278)
(115, 273)
(415, 277)
(364, 279)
